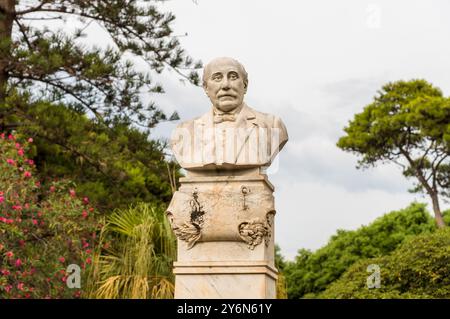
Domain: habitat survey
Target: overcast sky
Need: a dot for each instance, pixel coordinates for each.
(315, 64)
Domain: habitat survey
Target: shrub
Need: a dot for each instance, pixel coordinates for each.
(418, 268)
(312, 272)
(42, 231)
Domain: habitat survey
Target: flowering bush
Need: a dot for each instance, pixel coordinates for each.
(42, 229)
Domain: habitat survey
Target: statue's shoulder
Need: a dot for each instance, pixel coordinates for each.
(271, 121)
(189, 124)
(266, 119)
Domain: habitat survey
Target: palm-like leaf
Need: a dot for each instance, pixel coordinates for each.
(139, 264)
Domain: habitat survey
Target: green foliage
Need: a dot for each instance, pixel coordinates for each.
(312, 272)
(395, 120)
(135, 257)
(39, 63)
(42, 230)
(407, 124)
(113, 166)
(280, 264)
(418, 268)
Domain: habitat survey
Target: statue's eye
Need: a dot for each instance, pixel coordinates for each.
(217, 77)
(233, 76)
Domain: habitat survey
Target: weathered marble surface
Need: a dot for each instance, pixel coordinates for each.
(231, 280)
(229, 208)
(223, 213)
(252, 140)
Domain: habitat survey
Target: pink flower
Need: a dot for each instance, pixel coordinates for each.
(8, 288)
(21, 242)
(62, 259)
(11, 137)
(27, 174)
(34, 221)
(20, 152)
(30, 140)
(88, 260)
(2, 199)
(18, 262)
(52, 189)
(2, 135)
(85, 245)
(6, 220)
(5, 272)
(10, 161)
(84, 214)
(85, 200)
(20, 286)
(9, 254)
(16, 207)
(18, 145)
(72, 193)
(30, 162)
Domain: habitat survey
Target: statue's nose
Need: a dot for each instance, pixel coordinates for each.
(225, 84)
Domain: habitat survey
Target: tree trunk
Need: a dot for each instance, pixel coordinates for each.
(431, 190)
(6, 22)
(437, 211)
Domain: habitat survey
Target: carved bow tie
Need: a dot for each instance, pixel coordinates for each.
(224, 117)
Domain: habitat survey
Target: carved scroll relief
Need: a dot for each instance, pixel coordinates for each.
(224, 211)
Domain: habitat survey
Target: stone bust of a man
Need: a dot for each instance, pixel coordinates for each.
(231, 135)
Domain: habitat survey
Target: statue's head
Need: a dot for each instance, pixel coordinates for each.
(225, 82)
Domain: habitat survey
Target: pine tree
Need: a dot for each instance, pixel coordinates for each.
(41, 64)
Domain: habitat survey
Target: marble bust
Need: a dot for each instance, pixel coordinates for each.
(223, 213)
(231, 135)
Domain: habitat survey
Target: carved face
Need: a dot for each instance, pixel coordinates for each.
(224, 84)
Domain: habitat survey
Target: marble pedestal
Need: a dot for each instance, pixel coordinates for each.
(225, 230)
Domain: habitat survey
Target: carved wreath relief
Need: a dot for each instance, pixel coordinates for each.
(191, 231)
(254, 231)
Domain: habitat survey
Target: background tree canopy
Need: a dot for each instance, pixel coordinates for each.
(312, 272)
(408, 123)
(51, 65)
(418, 268)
